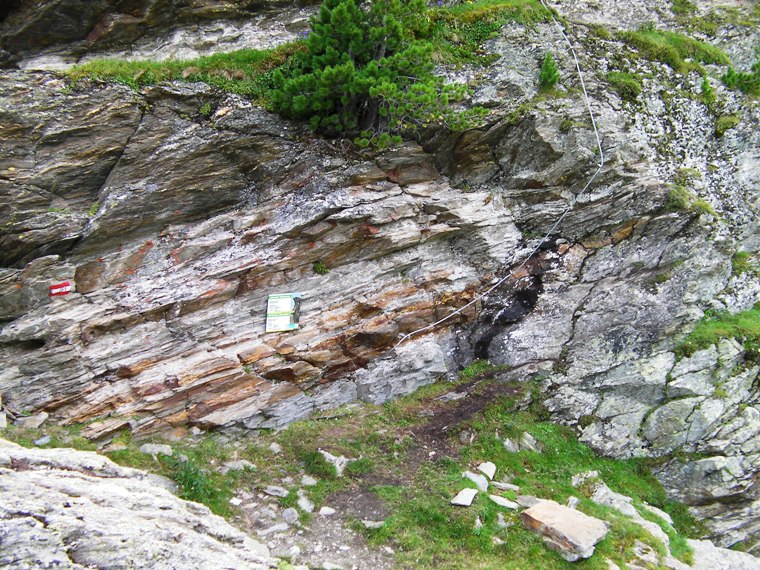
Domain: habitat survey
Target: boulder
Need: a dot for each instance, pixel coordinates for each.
(568, 531)
(69, 509)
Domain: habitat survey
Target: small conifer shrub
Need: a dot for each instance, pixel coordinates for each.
(549, 75)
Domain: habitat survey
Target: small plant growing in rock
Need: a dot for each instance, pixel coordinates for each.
(549, 74)
(205, 110)
(320, 268)
(679, 199)
(708, 94)
(748, 83)
(726, 123)
(625, 84)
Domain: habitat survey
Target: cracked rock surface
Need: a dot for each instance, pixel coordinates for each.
(63, 508)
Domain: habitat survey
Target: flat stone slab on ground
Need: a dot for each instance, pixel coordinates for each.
(480, 481)
(488, 469)
(464, 498)
(502, 502)
(31, 422)
(156, 449)
(568, 531)
(276, 491)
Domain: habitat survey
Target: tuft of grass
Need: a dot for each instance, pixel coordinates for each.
(673, 49)
(475, 368)
(726, 123)
(458, 32)
(549, 75)
(679, 199)
(742, 262)
(195, 484)
(743, 326)
(320, 268)
(626, 85)
(315, 464)
(205, 109)
(682, 7)
(707, 94)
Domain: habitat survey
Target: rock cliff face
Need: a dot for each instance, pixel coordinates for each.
(174, 227)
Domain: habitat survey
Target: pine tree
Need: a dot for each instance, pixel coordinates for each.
(365, 73)
(549, 75)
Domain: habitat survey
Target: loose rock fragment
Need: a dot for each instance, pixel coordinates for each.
(502, 502)
(276, 491)
(480, 481)
(32, 422)
(290, 515)
(505, 486)
(488, 469)
(569, 532)
(304, 503)
(464, 498)
(156, 449)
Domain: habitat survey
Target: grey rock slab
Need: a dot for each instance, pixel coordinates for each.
(502, 502)
(511, 445)
(326, 511)
(530, 443)
(156, 449)
(81, 494)
(464, 498)
(279, 527)
(290, 515)
(276, 491)
(488, 469)
(505, 486)
(31, 422)
(707, 556)
(44, 440)
(480, 480)
(369, 524)
(568, 531)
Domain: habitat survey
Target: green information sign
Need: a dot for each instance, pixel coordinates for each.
(283, 311)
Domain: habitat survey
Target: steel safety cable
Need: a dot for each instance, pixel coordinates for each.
(600, 166)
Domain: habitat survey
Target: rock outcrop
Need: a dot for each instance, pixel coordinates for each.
(174, 226)
(63, 508)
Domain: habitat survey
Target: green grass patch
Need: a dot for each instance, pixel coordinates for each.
(626, 85)
(673, 49)
(682, 7)
(458, 32)
(247, 72)
(742, 262)
(743, 326)
(725, 124)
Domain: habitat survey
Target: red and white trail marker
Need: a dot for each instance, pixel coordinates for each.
(60, 289)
